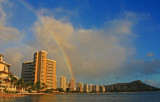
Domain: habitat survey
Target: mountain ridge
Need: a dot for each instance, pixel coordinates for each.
(133, 86)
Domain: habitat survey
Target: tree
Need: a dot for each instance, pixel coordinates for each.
(21, 84)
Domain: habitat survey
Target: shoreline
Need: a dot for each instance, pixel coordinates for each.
(6, 95)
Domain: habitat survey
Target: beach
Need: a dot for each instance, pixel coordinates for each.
(6, 95)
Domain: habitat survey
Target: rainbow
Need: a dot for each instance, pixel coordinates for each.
(67, 61)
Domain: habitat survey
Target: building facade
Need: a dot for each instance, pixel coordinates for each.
(5, 83)
(97, 88)
(90, 88)
(67, 84)
(101, 88)
(63, 82)
(80, 87)
(41, 70)
(72, 85)
(27, 71)
(86, 88)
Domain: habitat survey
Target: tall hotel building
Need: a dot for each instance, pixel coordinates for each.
(63, 82)
(90, 88)
(85, 87)
(41, 69)
(72, 85)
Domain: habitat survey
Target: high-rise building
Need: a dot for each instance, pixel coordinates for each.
(85, 87)
(27, 71)
(56, 82)
(43, 70)
(101, 88)
(72, 85)
(80, 86)
(67, 84)
(51, 74)
(63, 82)
(90, 88)
(97, 88)
(93, 88)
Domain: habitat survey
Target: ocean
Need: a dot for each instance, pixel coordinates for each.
(107, 97)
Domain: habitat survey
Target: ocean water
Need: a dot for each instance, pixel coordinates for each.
(107, 97)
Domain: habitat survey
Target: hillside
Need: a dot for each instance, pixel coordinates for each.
(130, 87)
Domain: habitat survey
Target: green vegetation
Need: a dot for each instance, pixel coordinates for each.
(135, 86)
(29, 86)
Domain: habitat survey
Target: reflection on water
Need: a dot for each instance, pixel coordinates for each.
(109, 97)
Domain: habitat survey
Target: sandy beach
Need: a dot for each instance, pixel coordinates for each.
(4, 95)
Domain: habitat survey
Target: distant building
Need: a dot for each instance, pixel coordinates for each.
(80, 84)
(90, 88)
(27, 71)
(86, 88)
(5, 83)
(42, 69)
(101, 88)
(56, 82)
(93, 88)
(67, 85)
(63, 82)
(80, 87)
(97, 88)
(72, 85)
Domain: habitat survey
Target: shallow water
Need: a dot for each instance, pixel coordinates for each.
(108, 97)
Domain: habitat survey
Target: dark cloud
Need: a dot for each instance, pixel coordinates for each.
(150, 54)
(142, 67)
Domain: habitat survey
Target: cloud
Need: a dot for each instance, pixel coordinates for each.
(152, 83)
(17, 55)
(150, 54)
(7, 34)
(11, 43)
(92, 52)
(141, 67)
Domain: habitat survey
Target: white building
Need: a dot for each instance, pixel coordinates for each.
(63, 82)
(5, 83)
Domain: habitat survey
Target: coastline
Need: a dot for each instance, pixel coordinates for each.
(5, 95)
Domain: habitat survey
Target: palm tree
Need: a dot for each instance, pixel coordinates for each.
(38, 85)
(29, 84)
(43, 86)
(21, 84)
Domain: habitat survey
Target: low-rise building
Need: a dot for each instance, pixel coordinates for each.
(5, 83)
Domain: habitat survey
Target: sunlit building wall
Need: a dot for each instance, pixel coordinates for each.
(72, 85)
(63, 82)
(44, 70)
(90, 88)
(97, 88)
(86, 88)
(67, 84)
(80, 87)
(5, 83)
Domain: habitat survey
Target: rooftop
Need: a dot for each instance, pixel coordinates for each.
(1, 55)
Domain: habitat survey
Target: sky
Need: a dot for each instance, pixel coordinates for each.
(104, 41)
